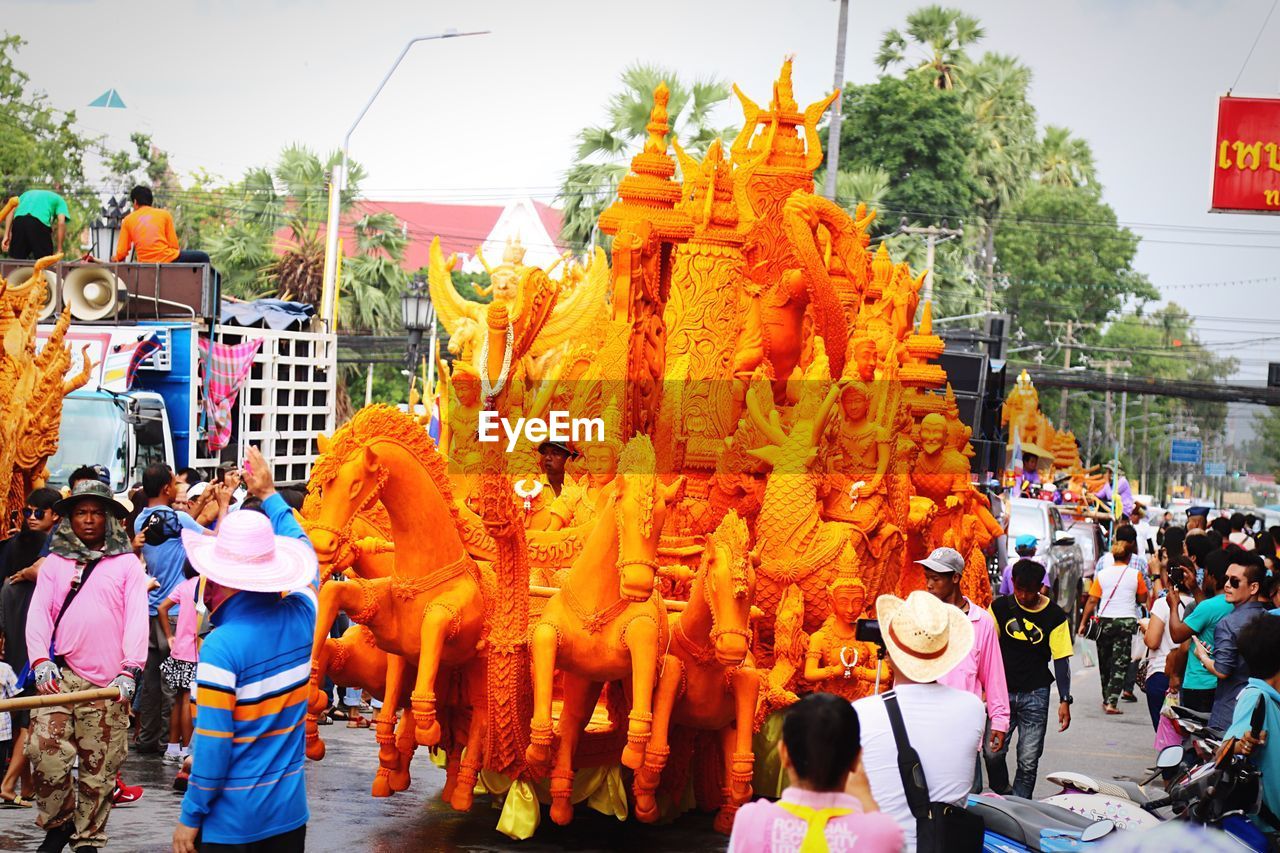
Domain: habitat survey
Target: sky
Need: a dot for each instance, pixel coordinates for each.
(225, 85)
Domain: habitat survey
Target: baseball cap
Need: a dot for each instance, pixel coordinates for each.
(945, 560)
(1026, 540)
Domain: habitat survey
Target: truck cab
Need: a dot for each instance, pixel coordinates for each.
(124, 432)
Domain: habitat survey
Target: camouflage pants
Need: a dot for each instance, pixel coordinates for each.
(95, 732)
(1115, 647)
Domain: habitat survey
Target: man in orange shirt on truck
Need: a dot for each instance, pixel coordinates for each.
(150, 230)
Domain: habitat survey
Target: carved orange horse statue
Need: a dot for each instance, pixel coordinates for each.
(430, 610)
(607, 623)
(707, 679)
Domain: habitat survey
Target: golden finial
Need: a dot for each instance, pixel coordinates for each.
(514, 252)
(658, 125)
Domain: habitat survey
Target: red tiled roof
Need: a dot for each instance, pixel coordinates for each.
(461, 227)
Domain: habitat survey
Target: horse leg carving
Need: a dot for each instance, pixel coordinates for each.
(452, 761)
(331, 600)
(385, 720)
(316, 702)
(398, 778)
(738, 755)
(658, 750)
(477, 733)
(580, 697)
(437, 623)
(641, 637)
(543, 653)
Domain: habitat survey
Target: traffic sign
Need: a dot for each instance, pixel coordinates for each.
(1185, 450)
(1215, 469)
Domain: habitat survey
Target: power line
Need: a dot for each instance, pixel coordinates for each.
(1254, 46)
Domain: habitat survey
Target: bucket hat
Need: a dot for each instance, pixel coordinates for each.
(91, 490)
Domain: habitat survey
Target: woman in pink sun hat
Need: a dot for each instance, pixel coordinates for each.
(258, 581)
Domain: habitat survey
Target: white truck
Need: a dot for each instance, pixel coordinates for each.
(136, 411)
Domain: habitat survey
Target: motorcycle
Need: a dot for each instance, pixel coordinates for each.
(1016, 824)
(1224, 792)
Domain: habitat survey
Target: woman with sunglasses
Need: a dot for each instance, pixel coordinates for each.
(18, 556)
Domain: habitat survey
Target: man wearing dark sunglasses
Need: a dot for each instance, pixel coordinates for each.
(18, 558)
(1247, 590)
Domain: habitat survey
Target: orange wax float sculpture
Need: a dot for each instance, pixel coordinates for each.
(836, 661)
(1058, 449)
(32, 384)
(779, 447)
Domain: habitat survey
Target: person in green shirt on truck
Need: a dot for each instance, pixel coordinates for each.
(37, 227)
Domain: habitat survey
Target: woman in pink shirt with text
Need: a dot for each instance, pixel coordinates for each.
(820, 749)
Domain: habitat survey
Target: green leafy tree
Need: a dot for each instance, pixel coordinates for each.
(921, 138)
(1064, 256)
(291, 199)
(932, 47)
(994, 91)
(604, 151)
(1064, 160)
(1266, 445)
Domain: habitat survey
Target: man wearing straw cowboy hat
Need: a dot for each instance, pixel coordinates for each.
(247, 791)
(86, 628)
(925, 639)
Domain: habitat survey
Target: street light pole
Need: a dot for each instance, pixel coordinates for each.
(837, 118)
(338, 181)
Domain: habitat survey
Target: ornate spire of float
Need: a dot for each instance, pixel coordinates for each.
(649, 191)
(779, 125)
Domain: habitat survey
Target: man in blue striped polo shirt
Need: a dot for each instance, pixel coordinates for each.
(247, 792)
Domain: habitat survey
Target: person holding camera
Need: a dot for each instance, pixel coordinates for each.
(1163, 677)
(160, 528)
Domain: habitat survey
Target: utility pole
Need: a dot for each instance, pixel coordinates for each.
(1109, 367)
(1066, 365)
(932, 236)
(837, 117)
(1146, 444)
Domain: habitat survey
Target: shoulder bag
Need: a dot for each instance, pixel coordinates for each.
(940, 827)
(1093, 628)
(72, 592)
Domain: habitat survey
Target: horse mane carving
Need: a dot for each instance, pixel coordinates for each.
(381, 422)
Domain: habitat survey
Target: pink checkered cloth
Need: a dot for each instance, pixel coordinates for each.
(225, 370)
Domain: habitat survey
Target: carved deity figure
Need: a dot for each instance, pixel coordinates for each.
(857, 489)
(836, 661)
(941, 474)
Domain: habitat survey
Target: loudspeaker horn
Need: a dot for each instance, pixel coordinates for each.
(93, 292)
(23, 281)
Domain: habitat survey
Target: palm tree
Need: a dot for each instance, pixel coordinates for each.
(292, 197)
(373, 279)
(863, 185)
(942, 33)
(1064, 160)
(604, 151)
(994, 92)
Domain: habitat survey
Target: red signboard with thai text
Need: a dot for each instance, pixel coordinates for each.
(1246, 167)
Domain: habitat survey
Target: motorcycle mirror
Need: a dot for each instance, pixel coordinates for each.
(1095, 831)
(1170, 757)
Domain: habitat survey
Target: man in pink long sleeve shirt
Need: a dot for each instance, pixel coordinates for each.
(981, 672)
(101, 641)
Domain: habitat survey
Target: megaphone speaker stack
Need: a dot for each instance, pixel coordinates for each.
(22, 282)
(92, 292)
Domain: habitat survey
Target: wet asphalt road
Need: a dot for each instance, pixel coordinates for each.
(345, 818)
